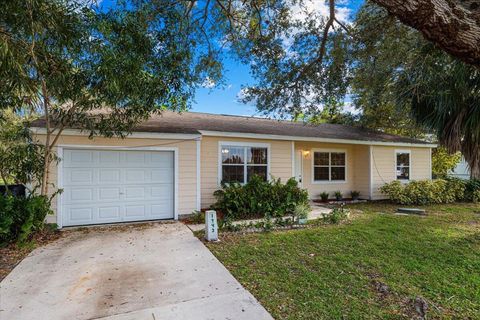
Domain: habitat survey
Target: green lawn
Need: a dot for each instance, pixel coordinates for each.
(371, 267)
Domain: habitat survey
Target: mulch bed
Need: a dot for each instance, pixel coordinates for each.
(12, 254)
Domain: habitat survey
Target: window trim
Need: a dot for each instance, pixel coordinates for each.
(329, 181)
(222, 144)
(397, 151)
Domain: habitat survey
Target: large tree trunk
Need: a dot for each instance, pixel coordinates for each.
(453, 25)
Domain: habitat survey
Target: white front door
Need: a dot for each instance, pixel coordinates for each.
(106, 186)
(299, 166)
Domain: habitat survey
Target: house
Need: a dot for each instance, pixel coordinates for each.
(172, 164)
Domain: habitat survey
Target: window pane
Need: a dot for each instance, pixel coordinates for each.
(338, 158)
(403, 159)
(232, 154)
(403, 173)
(320, 173)
(232, 174)
(257, 155)
(338, 173)
(321, 158)
(256, 170)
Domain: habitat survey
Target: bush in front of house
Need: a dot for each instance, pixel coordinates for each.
(21, 216)
(424, 192)
(259, 198)
(472, 190)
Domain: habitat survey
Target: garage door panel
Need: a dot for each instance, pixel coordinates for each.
(108, 194)
(113, 186)
(109, 176)
(109, 158)
(79, 157)
(79, 194)
(161, 176)
(80, 214)
(79, 176)
(132, 193)
(108, 213)
(134, 176)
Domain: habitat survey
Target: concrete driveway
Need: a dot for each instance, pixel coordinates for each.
(153, 271)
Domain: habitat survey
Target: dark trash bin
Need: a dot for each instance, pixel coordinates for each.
(18, 190)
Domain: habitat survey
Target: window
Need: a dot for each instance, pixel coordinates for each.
(241, 163)
(402, 165)
(329, 166)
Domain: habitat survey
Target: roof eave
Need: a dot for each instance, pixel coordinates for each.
(313, 139)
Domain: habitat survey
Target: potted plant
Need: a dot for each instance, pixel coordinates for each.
(355, 195)
(338, 195)
(301, 212)
(324, 196)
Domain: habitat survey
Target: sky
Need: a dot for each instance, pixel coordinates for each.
(223, 100)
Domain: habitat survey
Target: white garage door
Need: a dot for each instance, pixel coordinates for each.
(103, 186)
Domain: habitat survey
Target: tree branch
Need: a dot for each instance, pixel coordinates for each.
(448, 24)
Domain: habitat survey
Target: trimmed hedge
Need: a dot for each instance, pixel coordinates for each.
(21, 216)
(259, 198)
(423, 192)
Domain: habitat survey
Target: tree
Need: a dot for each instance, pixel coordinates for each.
(21, 157)
(101, 71)
(399, 68)
(443, 162)
(452, 25)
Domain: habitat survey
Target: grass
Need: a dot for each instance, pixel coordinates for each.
(372, 267)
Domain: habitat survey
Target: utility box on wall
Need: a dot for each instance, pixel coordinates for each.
(211, 225)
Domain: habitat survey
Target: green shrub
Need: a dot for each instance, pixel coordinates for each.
(302, 211)
(324, 196)
(337, 215)
(472, 190)
(197, 217)
(456, 189)
(423, 192)
(476, 196)
(338, 195)
(21, 216)
(259, 198)
(355, 195)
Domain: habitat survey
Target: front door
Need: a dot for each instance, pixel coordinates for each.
(299, 166)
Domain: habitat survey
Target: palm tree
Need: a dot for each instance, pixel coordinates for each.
(444, 95)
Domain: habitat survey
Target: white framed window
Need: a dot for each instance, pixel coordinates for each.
(402, 165)
(329, 166)
(239, 162)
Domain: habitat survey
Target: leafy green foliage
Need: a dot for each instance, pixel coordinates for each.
(425, 192)
(472, 190)
(21, 157)
(259, 198)
(302, 210)
(324, 196)
(443, 162)
(400, 80)
(197, 217)
(355, 194)
(337, 215)
(102, 70)
(338, 195)
(21, 216)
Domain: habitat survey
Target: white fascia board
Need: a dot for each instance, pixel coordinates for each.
(134, 135)
(312, 139)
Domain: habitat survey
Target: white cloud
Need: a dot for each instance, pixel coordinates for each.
(208, 83)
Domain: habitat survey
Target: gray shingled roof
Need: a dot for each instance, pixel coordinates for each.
(193, 123)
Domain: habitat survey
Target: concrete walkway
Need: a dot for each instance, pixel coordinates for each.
(153, 271)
